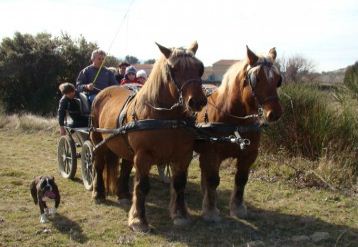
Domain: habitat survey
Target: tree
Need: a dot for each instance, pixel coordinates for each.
(28, 73)
(131, 59)
(296, 68)
(149, 61)
(111, 61)
(74, 54)
(32, 67)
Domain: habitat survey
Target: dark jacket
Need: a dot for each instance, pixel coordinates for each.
(104, 79)
(72, 106)
(119, 77)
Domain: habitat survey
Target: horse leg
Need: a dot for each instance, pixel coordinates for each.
(237, 205)
(124, 196)
(210, 180)
(177, 206)
(137, 219)
(98, 193)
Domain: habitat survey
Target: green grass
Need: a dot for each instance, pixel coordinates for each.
(278, 208)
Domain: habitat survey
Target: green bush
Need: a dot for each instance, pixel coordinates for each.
(313, 123)
(32, 67)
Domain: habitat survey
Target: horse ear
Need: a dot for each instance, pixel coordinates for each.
(166, 52)
(193, 47)
(273, 53)
(251, 56)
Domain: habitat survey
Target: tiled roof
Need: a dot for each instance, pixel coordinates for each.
(226, 62)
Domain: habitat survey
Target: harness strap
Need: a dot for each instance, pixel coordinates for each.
(224, 127)
(142, 125)
(123, 112)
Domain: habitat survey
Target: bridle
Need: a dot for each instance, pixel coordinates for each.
(251, 78)
(179, 89)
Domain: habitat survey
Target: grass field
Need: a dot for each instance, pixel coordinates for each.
(280, 214)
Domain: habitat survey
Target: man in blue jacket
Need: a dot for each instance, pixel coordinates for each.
(91, 81)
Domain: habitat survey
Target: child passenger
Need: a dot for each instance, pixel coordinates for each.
(70, 103)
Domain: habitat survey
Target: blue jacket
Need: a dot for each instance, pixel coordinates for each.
(104, 79)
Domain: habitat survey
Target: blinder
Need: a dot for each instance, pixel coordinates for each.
(253, 79)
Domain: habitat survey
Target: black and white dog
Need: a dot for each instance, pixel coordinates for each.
(44, 188)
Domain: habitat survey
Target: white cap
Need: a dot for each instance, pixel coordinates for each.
(141, 73)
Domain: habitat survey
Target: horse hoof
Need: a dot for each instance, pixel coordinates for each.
(99, 200)
(124, 202)
(166, 180)
(239, 212)
(215, 218)
(139, 227)
(181, 221)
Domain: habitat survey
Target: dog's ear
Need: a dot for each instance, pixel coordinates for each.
(34, 190)
(52, 178)
(37, 179)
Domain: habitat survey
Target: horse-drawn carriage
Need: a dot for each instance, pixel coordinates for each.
(68, 155)
(68, 152)
(76, 144)
(158, 125)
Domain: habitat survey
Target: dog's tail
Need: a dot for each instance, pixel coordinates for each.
(34, 191)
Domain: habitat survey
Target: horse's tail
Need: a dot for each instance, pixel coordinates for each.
(111, 173)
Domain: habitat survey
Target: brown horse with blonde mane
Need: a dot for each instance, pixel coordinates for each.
(172, 93)
(247, 86)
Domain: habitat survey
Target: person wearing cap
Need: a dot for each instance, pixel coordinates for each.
(91, 81)
(70, 102)
(121, 71)
(141, 76)
(130, 75)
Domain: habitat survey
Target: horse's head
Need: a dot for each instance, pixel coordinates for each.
(264, 78)
(185, 72)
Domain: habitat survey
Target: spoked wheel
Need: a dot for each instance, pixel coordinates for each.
(67, 159)
(87, 164)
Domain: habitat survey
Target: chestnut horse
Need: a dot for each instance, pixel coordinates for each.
(173, 91)
(247, 86)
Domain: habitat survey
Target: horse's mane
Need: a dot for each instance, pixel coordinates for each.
(160, 74)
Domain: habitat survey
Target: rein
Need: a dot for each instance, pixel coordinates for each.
(259, 113)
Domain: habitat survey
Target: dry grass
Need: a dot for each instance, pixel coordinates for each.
(278, 210)
(27, 122)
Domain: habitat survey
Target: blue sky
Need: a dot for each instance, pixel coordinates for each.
(325, 32)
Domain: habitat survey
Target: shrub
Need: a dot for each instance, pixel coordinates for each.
(316, 126)
(307, 125)
(351, 78)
